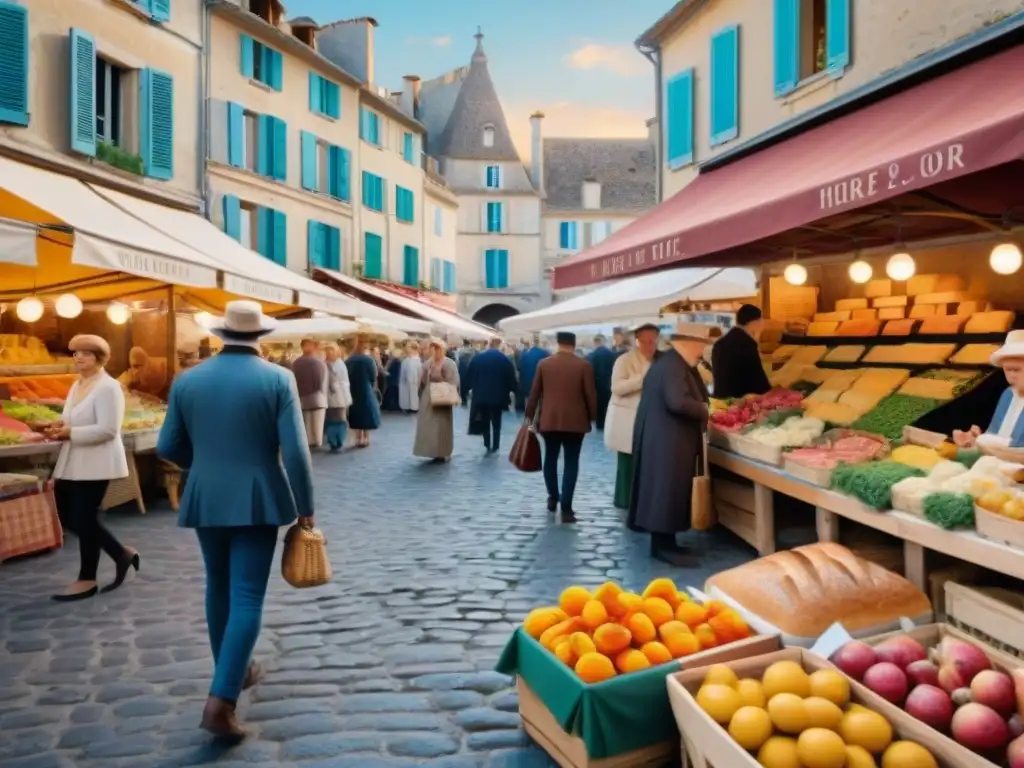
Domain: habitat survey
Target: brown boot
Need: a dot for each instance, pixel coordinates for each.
(219, 719)
(253, 675)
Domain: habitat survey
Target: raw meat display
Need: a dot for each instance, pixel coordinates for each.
(844, 447)
(746, 411)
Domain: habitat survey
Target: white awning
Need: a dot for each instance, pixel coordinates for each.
(372, 315)
(107, 237)
(638, 297)
(313, 327)
(18, 242)
(246, 273)
(442, 320)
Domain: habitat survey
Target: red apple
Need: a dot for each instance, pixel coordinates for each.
(901, 650)
(1015, 753)
(923, 672)
(855, 658)
(979, 728)
(950, 678)
(968, 659)
(887, 680)
(994, 689)
(931, 705)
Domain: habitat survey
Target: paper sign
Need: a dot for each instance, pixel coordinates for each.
(906, 624)
(831, 640)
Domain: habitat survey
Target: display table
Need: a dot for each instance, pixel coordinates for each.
(917, 533)
(29, 523)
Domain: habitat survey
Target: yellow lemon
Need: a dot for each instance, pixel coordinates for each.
(779, 752)
(751, 693)
(720, 674)
(750, 727)
(786, 677)
(907, 754)
(866, 729)
(822, 713)
(831, 684)
(719, 701)
(788, 712)
(858, 757)
(821, 748)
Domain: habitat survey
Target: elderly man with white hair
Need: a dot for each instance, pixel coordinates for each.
(1006, 431)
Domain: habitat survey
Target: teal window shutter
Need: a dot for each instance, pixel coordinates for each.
(156, 123)
(494, 177)
(567, 235)
(276, 69)
(407, 148)
(411, 266)
(232, 209)
(332, 99)
(679, 119)
(449, 277)
(404, 204)
(14, 64)
(160, 10)
(316, 93)
(316, 244)
(280, 235)
(332, 247)
(265, 232)
(82, 55)
(307, 150)
(341, 167)
(372, 262)
(367, 192)
(363, 123)
(236, 135)
(373, 191)
(837, 36)
(725, 85)
(490, 268)
(280, 151)
(264, 145)
(436, 274)
(248, 47)
(787, 45)
(494, 217)
(502, 259)
(369, 126)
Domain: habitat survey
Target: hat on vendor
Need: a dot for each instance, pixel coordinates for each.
(1013, 347)
(87, 342)
(696, 332)
(243, 321)
(646, 327)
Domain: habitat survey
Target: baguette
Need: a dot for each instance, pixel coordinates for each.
(804, 591)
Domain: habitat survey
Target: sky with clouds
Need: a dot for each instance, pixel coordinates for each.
(572, 59)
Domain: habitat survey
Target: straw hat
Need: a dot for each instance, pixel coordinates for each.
(434, 341)
(87, 342)
(696, 332)
(1012, 347)
(244, 321)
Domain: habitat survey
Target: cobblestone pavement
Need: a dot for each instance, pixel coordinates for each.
(389, 665)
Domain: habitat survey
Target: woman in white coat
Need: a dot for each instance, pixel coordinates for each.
(627, 382)
(409, 386)
(91, 456)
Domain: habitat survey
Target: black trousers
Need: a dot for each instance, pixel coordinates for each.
(78, 505)
(570, 444)
(491, 418)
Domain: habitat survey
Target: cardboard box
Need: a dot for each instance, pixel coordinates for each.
(708, 745)
(569, 749)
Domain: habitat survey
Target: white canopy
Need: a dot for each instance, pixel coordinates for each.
(638, 297)
(311, 328)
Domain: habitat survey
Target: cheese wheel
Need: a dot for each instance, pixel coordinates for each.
(899, 327)
(974, 354)
(919, 311)
(864, 314)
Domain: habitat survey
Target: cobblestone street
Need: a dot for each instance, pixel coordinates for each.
(389, 665)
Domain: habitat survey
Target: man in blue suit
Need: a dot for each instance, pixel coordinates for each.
(235, 423)
(491, 385)
(602, 360)
(528, 362)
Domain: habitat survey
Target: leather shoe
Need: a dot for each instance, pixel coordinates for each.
(219, 719)
(568, 516)
(552, 504)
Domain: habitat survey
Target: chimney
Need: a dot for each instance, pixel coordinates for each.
(349, 44)
(591, 194)
(537, 150)
(410, 95)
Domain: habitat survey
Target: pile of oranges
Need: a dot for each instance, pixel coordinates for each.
(610, 631)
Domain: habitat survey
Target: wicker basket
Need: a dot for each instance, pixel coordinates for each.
(304, 563)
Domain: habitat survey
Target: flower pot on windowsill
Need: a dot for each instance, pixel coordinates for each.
(119, 159)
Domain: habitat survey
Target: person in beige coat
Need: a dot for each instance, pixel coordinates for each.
(627, 380)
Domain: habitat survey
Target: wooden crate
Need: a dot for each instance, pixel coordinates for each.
(998, 528)
(822, 477)
(769, 454)
(747, 511)
(994, 616)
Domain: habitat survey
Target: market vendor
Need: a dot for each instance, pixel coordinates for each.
(141, 376)
(735, 359)
(1007, 427)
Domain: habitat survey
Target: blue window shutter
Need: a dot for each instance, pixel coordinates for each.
(307, 150)
(264, 144)
(502, 269)
(156, 123)
(679, 113)
(247, 52)
(567, 235)
(280, 151)
(160, 10)
(265, 232)
(332, 246)
(435, 273)
(232, 216)
(333, 100)
(341, 165)
(236, 135)
(375, 128)
(725, 85)
(276, 80)
(837, 34)
(315, 250)
(378, 193)
(399, 203)
(280, 234)
(787, 46)
(315, 93)
(411, 266)
(489, 268)
(372, 256)
(14, 64)
(494, 211)
(449, 277)
(363, 127)
(83, 92)
(407, 148)
(367, 193)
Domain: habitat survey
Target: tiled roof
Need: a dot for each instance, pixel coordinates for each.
(477, 107)
(626, 169)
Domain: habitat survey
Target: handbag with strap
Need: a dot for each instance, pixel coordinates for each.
(525, 453)
(444, 395)
(702, 508)
(304, 562)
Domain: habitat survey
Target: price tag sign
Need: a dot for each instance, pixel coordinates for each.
(831, 640)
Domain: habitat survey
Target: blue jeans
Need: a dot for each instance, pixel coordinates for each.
(335, 434)
(238, 561)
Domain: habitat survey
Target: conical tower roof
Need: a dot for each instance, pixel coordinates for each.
(476, 108)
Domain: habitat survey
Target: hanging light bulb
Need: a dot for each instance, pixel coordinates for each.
(203, 319)
(900, 266)
(29, 309)
(1005, 258)
(795, 274)
(860, 271)
(118, 314)
(68, 306)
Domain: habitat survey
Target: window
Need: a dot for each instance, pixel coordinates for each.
(493, 177)
(250, 146)
(411, 266)
(373, 262)
(261, 63)
(488, 135)
(323, 245)
(272, 235)
(108, 102)
(438, 220)
(249, 231)
(409, 148)
(267, 144)
(811, 37)
(373, 192)
(325, 167)
(725, 85)
(595, 231)
(14, 64)
(679, 119)
(369, 126)
(324, 96)
(568, 235)
(265, 10)
(442, 275)
(449, 277)
(405, 204)
(493, 216)
(495, 268)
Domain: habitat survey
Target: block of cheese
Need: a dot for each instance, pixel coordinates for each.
(882, 381)
(783, 353)
(832, 317)
(804, 591)
(861, 400)
(814, 374)
(891, 301)
(892, 313)
(823, 395)
(989, 322)
(875, 288)
(831, 413)
(823, 329)
(943, 297)
(808, 355)
(848, 353)
(973, 307)
(899, 327)
(942, 324)
(859, 328)
(974, 354)
(922, 310)
(910, 354)
(864, 314)
(851, 304)
(920, 284)
(937, 389)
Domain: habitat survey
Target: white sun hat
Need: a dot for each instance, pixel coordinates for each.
(1012, 347)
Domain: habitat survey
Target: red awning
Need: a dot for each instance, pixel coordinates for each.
(960, 123)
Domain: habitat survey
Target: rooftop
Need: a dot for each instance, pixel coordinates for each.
(625, 168)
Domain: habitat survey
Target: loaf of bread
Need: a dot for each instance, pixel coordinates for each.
(804, 591)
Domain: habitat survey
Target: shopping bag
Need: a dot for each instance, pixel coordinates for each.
(702, 508)
(444, 395)
(525, 453)
(304, 562)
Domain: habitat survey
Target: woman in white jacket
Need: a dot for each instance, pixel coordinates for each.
(339, 398)
(627, 382)
(409, 386)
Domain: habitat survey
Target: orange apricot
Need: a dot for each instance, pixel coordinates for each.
(539, 620)
(642, 628)
(706, 636)
(550, 635)
(608, 594)
(631, 660)
(691, 614)
(670, 628)
(629, 600)
(658, 610)
(594, 668)
(581, 643)
(656, 653)
(564, 652)
(594, 614)
(729, 626)
(611, 639)
(573, 599)
(715, 607)
(681, 644)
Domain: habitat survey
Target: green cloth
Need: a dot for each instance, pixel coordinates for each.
(619, 715)
(623, 480)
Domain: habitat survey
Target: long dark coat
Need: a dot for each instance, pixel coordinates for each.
(667, 443)
(394, 377)
(736, 366)
(364, 413)
(602, 360)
